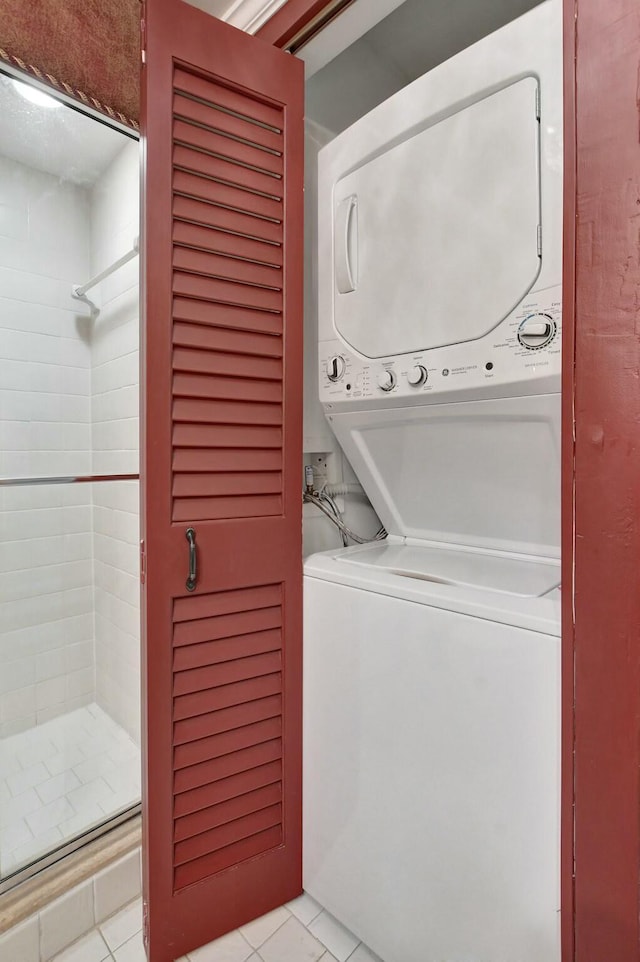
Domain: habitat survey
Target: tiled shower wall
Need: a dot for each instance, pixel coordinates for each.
(69, 556)
(114, 418)
(46, 638)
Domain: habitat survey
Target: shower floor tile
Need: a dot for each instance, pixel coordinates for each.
(61, 778)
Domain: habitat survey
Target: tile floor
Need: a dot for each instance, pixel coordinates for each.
(298, 932)
(61, 778)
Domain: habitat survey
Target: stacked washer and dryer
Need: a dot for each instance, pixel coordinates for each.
(432, 660)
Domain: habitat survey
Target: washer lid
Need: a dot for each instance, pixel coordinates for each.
(469, 569)
(480, 473)
(436, 239)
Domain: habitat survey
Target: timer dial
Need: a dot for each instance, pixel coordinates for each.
(386, 380)
(417, 375)
(536, 331)
(335, 367)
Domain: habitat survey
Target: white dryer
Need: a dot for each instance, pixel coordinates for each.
(432, 661)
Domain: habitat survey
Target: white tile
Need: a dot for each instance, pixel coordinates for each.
(91, 815)
(230, 948)
(131, 951)
(260, 929)
(57, 786)
(20, 672)
(38, 846)
(65, 920)
(14, 834)
(327, 957)
(119, 801)
(90, 948)
(49, 664)
(117, 885)
(51, 692)
(95, 791)
(80, 682)
(64, 760)
(304, 908)
(21, 943)
(363, 954)
(97, 765)
(338, 939)
(9, 728)
(21, 805)
(123, 925)
(9, 763)
(79, 656)
(27, 778)
(44, 715)
(291, 943)
(49, 816)
(19, 703)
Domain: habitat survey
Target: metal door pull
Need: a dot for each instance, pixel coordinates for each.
(193, 561)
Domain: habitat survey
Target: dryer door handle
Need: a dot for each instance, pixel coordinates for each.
(346, 244)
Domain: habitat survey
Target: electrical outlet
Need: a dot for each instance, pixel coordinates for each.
(319, 465)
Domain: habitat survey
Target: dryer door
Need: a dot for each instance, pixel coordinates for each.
(436, 239)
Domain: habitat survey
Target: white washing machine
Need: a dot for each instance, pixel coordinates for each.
(432, 660)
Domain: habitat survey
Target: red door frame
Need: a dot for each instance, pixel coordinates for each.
(607, 473)
(600, 509)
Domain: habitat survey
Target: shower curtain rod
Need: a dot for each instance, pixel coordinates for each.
(80, 290)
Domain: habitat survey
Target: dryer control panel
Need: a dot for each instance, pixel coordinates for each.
(524, 349)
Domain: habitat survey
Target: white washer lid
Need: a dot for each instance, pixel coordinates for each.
(469, 569)
(480, 473)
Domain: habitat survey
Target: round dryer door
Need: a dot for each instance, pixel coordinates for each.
(436, 240)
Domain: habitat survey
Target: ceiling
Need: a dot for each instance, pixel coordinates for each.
(416, 37)
(62, 141)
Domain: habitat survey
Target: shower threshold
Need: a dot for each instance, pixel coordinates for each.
(63, 783)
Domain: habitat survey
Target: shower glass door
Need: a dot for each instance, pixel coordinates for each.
(69, 555)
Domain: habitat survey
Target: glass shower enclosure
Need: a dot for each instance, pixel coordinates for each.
(69, 531)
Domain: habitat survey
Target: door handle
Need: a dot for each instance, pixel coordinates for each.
(193, 560)
(346, 245)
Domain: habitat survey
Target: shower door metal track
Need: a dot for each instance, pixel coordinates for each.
(9, 882)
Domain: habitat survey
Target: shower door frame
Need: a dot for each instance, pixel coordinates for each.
(53, 856)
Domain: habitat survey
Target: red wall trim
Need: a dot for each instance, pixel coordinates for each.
(607, 528)
(292, 17)
(568, 456)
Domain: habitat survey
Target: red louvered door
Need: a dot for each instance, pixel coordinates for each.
(222, 137)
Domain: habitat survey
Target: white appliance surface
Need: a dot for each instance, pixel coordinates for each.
(431, 778)
(440, 230)
(464, 191)
(483, 473)
(483, 570)
(495, 586)
(432, 662)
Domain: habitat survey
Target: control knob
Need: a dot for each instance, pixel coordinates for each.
(335, 367)
(417, 375)
(386, 380)
(536, 331)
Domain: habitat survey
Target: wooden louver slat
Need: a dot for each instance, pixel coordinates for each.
(219, 668)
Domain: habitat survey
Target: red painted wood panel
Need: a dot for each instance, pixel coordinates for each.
(607, 488)
(221, 453)
(290, 19)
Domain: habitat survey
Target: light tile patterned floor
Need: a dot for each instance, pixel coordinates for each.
(61, 778)
(298, 932)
